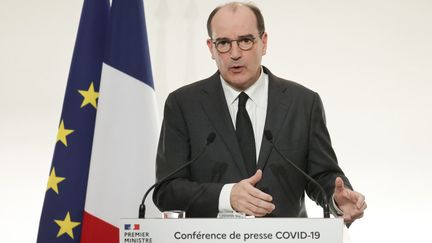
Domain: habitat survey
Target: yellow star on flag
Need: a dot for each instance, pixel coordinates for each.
(54, 180)
(90, 96)
(62, 133)
(66, 226)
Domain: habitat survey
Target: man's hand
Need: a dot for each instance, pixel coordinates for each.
(350, 202)
(247, 199)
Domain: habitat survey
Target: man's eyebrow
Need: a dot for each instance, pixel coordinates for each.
(246, 36)
(222, 39)
(239, 37)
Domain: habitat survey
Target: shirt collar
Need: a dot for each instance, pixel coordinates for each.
(256, 92)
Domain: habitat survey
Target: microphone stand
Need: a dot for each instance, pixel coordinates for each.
(142, 208)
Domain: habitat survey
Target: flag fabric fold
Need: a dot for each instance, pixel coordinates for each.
(103, 160)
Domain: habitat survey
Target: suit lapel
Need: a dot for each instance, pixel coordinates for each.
(214, 105)
(277, 110)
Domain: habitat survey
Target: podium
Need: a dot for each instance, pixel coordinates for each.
(263, 230)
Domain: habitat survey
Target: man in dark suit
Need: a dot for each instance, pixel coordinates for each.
(240, 171)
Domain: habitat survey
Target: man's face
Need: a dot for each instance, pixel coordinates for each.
(239, 68)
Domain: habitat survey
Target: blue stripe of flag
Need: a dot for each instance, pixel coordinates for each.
(127, 46)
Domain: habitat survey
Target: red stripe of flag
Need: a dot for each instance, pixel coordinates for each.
(95, 230)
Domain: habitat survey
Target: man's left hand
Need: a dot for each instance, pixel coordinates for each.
(350, 202)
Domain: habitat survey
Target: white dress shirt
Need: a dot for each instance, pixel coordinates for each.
(256, 107)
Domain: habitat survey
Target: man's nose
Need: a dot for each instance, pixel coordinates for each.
(236, 52)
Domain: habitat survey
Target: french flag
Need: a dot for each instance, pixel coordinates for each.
(106, 144)
(126, 131)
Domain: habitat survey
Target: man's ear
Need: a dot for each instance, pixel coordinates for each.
(210, 46)
(264, 39)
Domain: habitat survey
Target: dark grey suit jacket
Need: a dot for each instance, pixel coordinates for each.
(296, 118)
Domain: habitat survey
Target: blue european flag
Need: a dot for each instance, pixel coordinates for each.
(63, 207)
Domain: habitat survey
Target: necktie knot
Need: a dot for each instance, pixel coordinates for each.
(243, 97)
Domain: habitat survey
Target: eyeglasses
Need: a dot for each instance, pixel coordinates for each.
(245, 43)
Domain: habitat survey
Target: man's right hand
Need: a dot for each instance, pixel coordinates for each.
(246, 198)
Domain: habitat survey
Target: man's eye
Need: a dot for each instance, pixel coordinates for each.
(223, 42)
(246, 41)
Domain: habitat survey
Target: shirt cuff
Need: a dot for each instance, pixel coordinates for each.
(224, 198)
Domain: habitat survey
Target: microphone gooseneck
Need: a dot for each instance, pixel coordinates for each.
(210, 139)
(269, 136)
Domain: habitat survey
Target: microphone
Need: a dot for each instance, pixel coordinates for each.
(210, 138)
(269, 136)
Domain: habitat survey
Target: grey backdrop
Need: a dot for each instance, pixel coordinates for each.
(370, 61)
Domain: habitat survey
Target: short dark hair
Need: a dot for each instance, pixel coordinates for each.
(234, 5)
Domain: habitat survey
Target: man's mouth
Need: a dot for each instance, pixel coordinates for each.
(236, 68)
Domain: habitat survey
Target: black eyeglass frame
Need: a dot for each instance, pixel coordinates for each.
(249, 37)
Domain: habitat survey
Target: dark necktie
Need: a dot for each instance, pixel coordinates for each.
(245, 134)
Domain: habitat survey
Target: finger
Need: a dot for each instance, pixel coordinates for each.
(257, 193)
(241, 204)
(249, 209)
(245, 210)
(357, 214)
(363, 207)
(355, 198)
(339, 185)
(353, 214)
(244, 193)
(256, 211)
(256, 214)
(347, 218)
(260, 210)
(267, 206)
(360, 201)
(255, 178)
